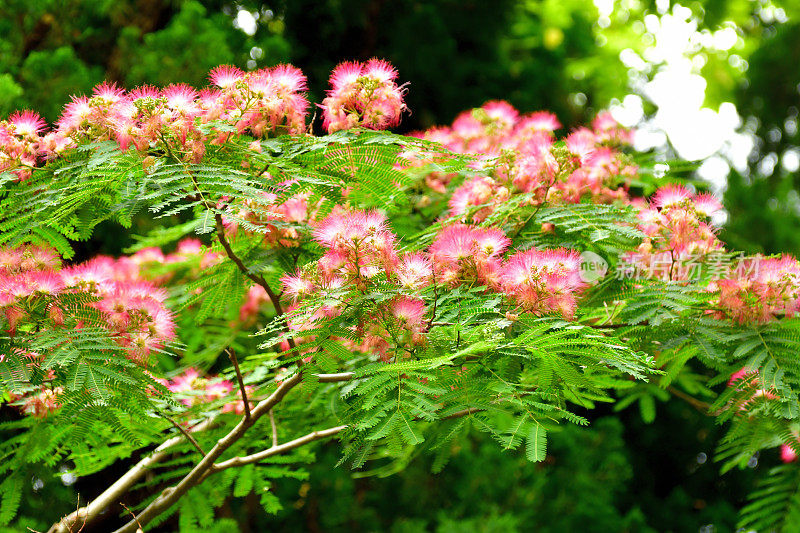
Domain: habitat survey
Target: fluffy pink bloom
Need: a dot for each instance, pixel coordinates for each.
(582, 143)
(414, 271)
(671, 195)
(109, 92)
(539, 121)
(608, 129)
(788, 455)
(409, 311)
(75, 113)
(363, 95)
(707, 204)
(501, 113)
(346, 75)
(478, 191)
(761, 289)
(288, 79)
(468, 253)
(678, 233)
(297, 286)
(27, 123)
(224, 76)
(544, 281)
(256, 297)
(130, 308)
(344, 230)
(181, 98)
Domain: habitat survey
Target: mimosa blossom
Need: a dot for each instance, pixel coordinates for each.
(363, 94)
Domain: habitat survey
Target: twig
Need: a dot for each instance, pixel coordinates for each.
(255, 278)
(275, 450)
(185, 433)
(274, 427)
(133, 515)
(465, 412)
(78, 506)
(235, 361)
(700, 405)
(335, 378)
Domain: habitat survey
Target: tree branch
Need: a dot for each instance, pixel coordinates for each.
(232, 356)
(185, 433)
(275, 450)
(465, 412)
(335, 378)
(700, 405)
(274, 427)
(172, 494)
(255, 278)
(112, 494)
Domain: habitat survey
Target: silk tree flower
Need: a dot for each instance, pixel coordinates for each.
(607, 129)
(544, 281)
(677, 227)
(363, 94)
(520, 154)
(131, 308)
(20, 143)
(195, 389)
(478, 191)
(414, 271)
(359, 244)
(468, 254)
(760, 290)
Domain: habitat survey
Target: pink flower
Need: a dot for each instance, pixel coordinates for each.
(467, 253)
(363, 95)
(761, 289)
(26, 123)
(478, 191)
(544, 281)
(297, 286)
(414, 271)
(788, 455)
(608, 129)
(409, 311)
(109, 92)
(348, 229)
(224, 76)
(671, 195)
(539, 121)
(256, 296)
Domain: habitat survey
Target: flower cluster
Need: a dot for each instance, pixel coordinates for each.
(522, 157)
(544, 281)
(361, 254)
(33, 288)
(20, 142)
(767, 290)
(360, 251)
(281, 219)
(38, 403)
(463, 253)
(677, 226)
(193, 389)
(178, 118)
(363, 94)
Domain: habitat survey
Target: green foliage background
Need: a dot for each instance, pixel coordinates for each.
(625, 472)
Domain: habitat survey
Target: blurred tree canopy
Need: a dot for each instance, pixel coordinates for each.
(560, 55)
